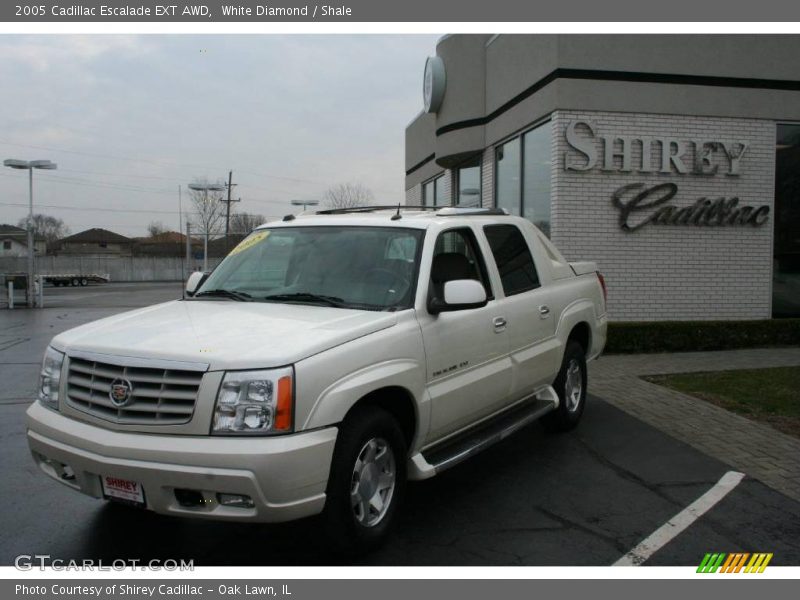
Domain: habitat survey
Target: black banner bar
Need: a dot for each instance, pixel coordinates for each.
(731, 587)
(32, 11)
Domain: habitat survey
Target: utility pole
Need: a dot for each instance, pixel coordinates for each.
(228, 210)
(188, 247)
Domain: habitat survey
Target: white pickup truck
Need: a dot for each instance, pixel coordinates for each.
(328, 359)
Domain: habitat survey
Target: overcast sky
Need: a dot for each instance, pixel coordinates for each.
(130, 118)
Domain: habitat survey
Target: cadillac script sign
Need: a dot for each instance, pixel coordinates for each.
(641, 204)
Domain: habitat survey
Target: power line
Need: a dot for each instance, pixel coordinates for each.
(127, 187)
(99, 208)
(172, 164)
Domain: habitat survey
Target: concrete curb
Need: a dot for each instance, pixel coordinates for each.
(756, 449)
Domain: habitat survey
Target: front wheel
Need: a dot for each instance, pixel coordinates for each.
(367, 481)
(570, 385)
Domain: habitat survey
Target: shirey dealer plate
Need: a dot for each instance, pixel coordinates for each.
(123, 490)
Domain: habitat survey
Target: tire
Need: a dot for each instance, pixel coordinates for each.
(75, 283)
(352, 524)
(84, 282)
(572, 400)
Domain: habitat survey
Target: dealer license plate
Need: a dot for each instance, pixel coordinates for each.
(123, 490)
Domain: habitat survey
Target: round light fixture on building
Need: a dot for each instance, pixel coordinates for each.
(433, 84)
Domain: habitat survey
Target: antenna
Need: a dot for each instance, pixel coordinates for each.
(397, 216)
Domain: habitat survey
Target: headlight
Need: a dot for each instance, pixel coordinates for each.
(50, 377)
(255, 402)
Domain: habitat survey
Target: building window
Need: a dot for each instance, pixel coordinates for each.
(786, 275)
(536, 177)
(428, 194)
(433, 193)
(513, 259)
(508, 175)
(522, 176)
(6, 245)
(468, 177)
(441, 196)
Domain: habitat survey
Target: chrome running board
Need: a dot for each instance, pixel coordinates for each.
(461, 447)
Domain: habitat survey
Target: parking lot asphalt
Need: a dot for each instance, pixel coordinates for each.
(582, 498)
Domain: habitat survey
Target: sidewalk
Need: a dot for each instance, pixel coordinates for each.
(755, 449)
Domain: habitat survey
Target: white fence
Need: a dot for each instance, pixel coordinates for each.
(138, 268)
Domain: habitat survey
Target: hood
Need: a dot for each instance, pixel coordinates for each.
(224, 334)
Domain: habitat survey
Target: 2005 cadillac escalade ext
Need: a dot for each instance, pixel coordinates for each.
(329, 358)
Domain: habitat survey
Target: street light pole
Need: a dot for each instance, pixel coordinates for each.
(30, 166)
(30, 240)
(304, 203)
(205, 187)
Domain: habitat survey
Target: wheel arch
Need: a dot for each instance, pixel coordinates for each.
(575, 324)
(582, 334)
(398, 402)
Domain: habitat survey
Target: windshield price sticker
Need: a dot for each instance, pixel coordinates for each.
(251, 241)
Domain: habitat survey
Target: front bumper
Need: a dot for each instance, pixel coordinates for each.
(285, 476)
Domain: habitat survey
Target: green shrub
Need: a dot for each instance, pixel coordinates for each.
(687, 336)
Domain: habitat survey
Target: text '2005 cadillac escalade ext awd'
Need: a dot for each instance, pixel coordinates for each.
(329, 358)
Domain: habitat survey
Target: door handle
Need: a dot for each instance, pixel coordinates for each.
(544, 310)
(499, 323)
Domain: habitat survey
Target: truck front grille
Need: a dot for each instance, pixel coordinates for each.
(155, 396)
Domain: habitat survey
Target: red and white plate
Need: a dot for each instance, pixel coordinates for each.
(117, 488)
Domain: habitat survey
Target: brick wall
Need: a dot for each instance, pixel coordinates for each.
(414, 195)
(669, 272)
(487, 178)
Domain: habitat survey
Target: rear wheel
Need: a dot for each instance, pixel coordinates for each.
(75, 282)
(367, 481)
(570, 385)
(84, 281)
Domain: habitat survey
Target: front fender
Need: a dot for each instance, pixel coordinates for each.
(338, 398)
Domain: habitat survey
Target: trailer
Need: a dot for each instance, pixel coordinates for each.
(75, 279)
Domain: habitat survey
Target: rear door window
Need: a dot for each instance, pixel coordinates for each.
(513, 258)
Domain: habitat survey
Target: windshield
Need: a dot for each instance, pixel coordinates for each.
(372, 268)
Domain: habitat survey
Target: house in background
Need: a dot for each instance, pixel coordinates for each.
(14, 242)
(169, 243)
(95, 242)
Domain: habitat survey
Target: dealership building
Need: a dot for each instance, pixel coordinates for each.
(671, 161)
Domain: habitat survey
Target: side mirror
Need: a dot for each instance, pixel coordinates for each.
(195, 280)
(459, 294)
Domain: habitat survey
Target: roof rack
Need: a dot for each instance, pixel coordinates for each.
(360, 209)
(456, 211)
(443, 211)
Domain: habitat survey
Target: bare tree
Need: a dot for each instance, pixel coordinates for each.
(46, 227)
(348, 195)
(243, 223)
(208, 211)
(156, 228)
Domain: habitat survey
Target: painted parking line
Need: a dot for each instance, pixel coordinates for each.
(677, 524)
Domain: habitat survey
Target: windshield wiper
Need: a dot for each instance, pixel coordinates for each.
(232, 294)
(308, 297)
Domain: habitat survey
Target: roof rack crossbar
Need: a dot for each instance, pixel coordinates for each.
(443, 211)
(360, 209)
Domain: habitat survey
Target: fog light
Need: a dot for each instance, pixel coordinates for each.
(189, 498)
(237, 500)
